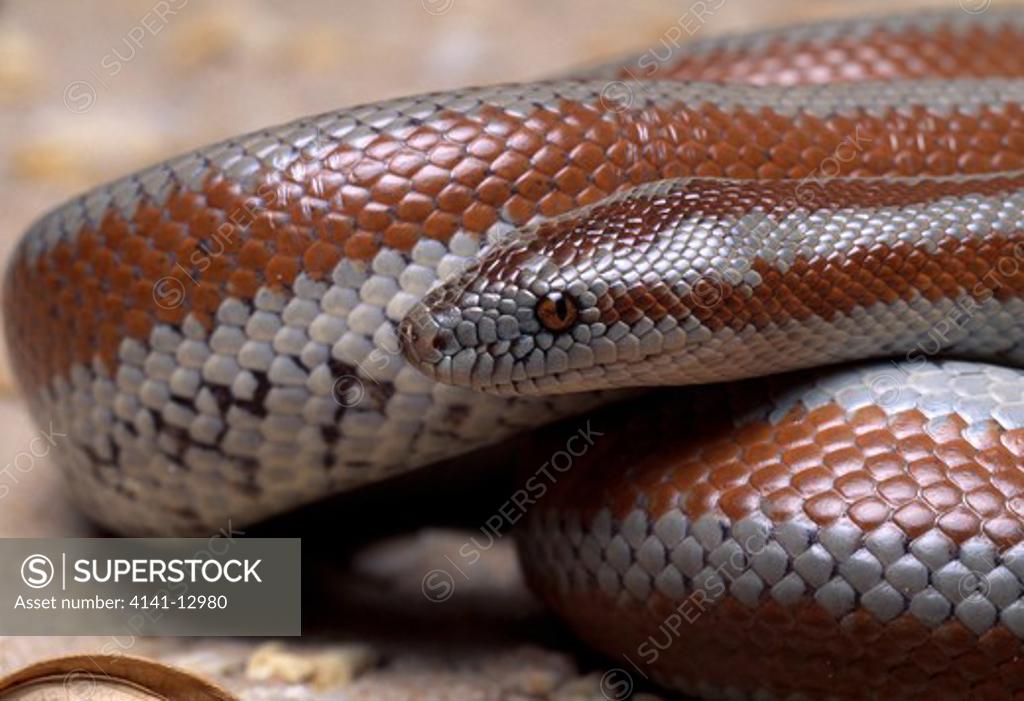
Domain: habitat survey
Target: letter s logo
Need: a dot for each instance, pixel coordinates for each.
(37, 571)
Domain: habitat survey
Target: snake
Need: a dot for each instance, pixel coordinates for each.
(787, 264)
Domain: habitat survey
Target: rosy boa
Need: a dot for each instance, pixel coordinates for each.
(218, 336)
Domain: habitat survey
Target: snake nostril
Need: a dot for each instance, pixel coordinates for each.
(421, 338)
(407, 333)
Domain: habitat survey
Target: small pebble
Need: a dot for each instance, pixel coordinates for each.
(322, 668)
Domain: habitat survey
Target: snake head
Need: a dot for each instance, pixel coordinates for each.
(596, 299)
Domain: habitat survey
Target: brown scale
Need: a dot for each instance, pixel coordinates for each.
(829, 465)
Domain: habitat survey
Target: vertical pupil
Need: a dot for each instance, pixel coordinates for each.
(561, 308)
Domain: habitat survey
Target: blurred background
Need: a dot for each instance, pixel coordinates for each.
(92, 89)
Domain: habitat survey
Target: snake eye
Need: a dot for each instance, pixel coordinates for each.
(557, 311)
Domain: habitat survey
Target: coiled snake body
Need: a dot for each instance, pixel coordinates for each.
(220, 338)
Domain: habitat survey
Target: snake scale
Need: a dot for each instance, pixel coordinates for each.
(293, 312)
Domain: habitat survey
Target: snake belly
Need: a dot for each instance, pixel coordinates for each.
(217, 336)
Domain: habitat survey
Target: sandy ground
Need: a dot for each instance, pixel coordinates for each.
(95, 88)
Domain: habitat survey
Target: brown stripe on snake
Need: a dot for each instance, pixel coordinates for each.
(620, 225)
(454, 173)
(827, 464)
(955, 50)
(822, 286)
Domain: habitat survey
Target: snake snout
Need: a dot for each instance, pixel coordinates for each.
(423, 339)
(417, 335)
